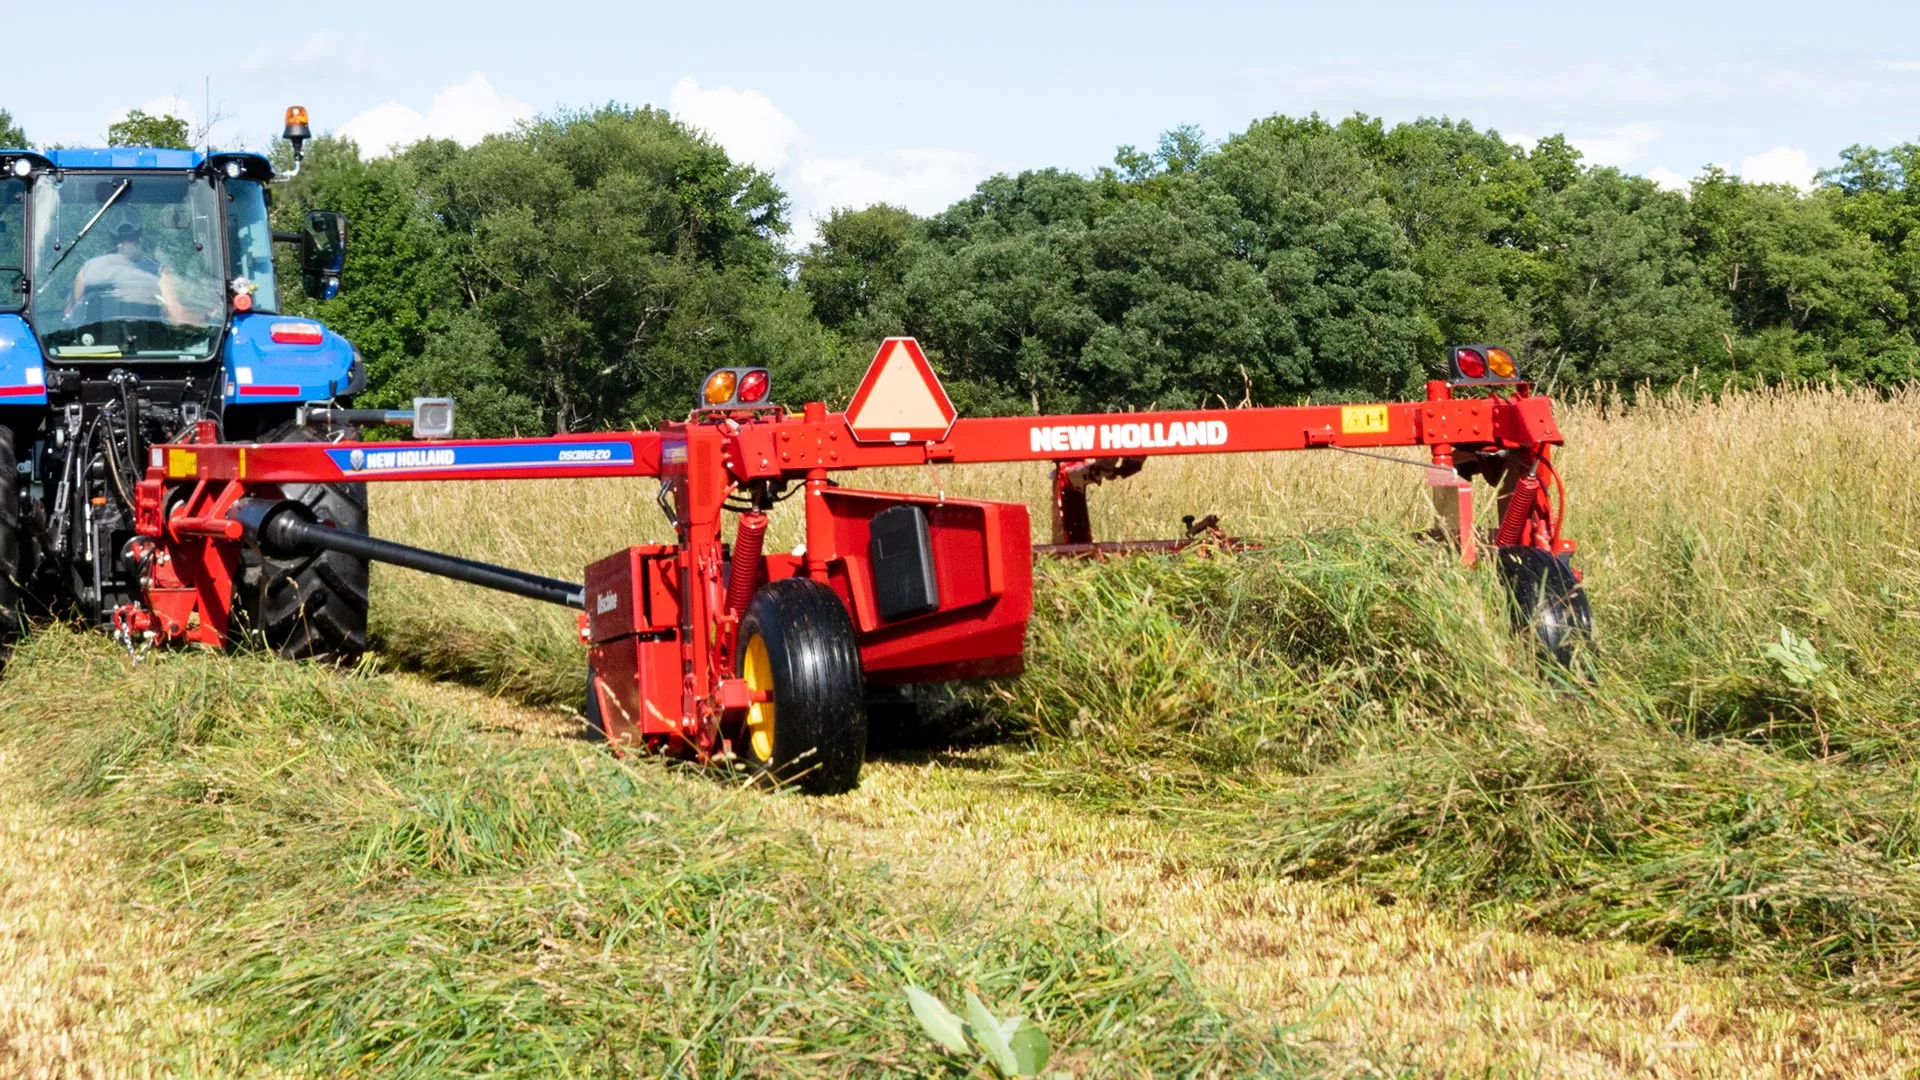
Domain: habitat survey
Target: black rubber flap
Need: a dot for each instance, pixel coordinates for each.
(900, 547)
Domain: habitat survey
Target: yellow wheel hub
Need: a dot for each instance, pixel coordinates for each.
(757, 669)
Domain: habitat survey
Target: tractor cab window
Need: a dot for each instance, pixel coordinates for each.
(126, 265)
(250, 242)
(13, 231)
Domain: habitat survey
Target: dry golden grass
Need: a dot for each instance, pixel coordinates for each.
(92, 981)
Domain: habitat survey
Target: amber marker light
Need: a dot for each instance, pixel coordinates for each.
(719, 388)
(1500, 362)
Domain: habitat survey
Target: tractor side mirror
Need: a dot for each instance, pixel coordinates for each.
(323, 253)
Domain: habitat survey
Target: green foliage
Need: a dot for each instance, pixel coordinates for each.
(1302, 258)
(1012, 1047)
(10, 133)
(139, 129)
(584, 271)
(1812, 295)
(587, 269)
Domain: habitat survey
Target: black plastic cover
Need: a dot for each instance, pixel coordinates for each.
(900, 547)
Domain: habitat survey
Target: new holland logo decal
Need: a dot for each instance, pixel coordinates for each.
(503, 455)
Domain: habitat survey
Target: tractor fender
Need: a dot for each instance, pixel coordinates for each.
(283, 358)
(23, 368)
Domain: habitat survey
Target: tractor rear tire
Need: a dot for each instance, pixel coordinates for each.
(797, 645)
(1548, 601)
(312, 606)
(9, 546)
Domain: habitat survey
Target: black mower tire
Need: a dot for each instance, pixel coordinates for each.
(10, 624)
(1547, 600)
(819, 718)
(311, 606)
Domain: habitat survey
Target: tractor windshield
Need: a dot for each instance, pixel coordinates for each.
(127, 265)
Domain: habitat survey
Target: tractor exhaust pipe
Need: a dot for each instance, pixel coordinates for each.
(283, 527)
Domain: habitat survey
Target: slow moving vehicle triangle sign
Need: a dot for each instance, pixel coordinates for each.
(900, 399)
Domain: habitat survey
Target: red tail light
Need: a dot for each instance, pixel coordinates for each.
(1471, 364)
(753, 387)
(295, 333)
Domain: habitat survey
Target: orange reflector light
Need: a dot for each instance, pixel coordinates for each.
(296, 333)
(296, 116)
(1471, 364)
(753, 387)
(719, 388)
(1500, 362)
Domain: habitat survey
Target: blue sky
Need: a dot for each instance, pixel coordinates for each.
(858, 102)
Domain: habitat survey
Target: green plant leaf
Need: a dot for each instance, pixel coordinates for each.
(986, 1032)
(1799, 662)
(1029, 1044)
(939, 1022)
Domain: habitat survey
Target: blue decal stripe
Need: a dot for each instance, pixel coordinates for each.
(428, 457)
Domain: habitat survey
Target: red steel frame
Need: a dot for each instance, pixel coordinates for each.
(660, 620)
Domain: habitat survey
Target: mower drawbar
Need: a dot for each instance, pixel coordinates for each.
(285, 527)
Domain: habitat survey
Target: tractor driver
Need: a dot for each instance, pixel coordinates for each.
(129, 275)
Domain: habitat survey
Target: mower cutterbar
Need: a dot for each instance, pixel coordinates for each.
(701, 647)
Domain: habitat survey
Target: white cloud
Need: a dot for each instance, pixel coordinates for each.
(1616, 147)
(465, 112)
(923, 181)
(1670, 180)
(753, 129)
(170, 105)
(746, 122)
(324, 53)
(1780, 165)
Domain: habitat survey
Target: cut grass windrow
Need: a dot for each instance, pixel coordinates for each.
(376, 888)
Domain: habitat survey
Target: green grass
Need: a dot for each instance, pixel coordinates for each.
(375, 887)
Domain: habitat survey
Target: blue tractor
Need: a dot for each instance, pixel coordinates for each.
(138, 298)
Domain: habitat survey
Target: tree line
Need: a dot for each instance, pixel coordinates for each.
(587, 269)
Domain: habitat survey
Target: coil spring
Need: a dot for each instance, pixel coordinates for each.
(1513, 525)
(745, 572)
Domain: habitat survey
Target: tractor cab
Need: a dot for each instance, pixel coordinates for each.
(146, 255)
(140, 301)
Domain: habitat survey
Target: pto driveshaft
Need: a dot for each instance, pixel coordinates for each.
(283, 527)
